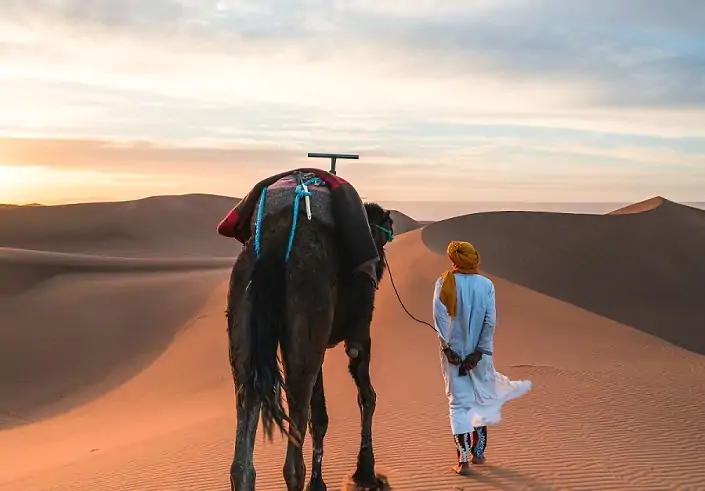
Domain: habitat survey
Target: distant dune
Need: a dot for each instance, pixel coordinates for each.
(403, 223)
(640, 207)
(156, 226)
(643, 269)
(431, 211)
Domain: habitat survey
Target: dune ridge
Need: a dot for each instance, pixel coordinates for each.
(23, 269)
(641, 206)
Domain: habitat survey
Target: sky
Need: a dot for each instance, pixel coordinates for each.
(458, 100)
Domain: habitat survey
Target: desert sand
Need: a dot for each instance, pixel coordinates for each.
(114, 369)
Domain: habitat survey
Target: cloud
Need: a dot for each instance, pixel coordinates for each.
(112, 13)
(592, 51)
(550, 39)
(511, 93)
(148, 157)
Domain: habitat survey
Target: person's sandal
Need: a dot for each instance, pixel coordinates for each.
(462, 469)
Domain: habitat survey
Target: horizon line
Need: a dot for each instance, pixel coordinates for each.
(438, 201)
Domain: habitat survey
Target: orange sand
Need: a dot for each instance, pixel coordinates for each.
(114, 376)
(641, 206)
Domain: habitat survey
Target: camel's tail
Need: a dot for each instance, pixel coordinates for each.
(267, 295)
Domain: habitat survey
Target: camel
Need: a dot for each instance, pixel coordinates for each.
(300, 297)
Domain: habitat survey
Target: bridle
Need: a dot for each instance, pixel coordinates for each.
(387, 232)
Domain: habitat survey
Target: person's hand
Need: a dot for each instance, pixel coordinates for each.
(452, 356)
(471, 361)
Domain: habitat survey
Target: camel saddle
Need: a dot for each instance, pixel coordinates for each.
(347, 214)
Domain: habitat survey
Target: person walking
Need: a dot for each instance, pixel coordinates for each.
(465, 317)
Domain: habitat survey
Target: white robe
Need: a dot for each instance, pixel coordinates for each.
(476, 399)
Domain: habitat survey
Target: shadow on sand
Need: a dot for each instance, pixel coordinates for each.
(502, 478)
(382, 484)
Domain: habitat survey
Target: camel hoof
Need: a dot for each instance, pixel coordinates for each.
(378, 483)
(316, 485)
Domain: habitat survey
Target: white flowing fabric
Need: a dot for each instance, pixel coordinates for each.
(475, 399)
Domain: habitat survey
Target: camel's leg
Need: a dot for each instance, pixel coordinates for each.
(360, 297)
(302, 352)
(366, 400)
(242, 470)
(300, 380)
(318, 426)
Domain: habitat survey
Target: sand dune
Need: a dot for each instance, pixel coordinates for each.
(157, 226)
(643, 269)
(640, 207)
(403, 223)
(23, 268)
(74, 334)
(612, 408)
(73, 324)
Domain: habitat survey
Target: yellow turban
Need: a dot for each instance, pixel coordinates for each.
(466, 260)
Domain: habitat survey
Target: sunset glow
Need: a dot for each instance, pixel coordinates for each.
(47, 185)
(519, 101)
(16, 181)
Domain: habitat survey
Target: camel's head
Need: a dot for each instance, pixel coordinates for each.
(381, 223)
